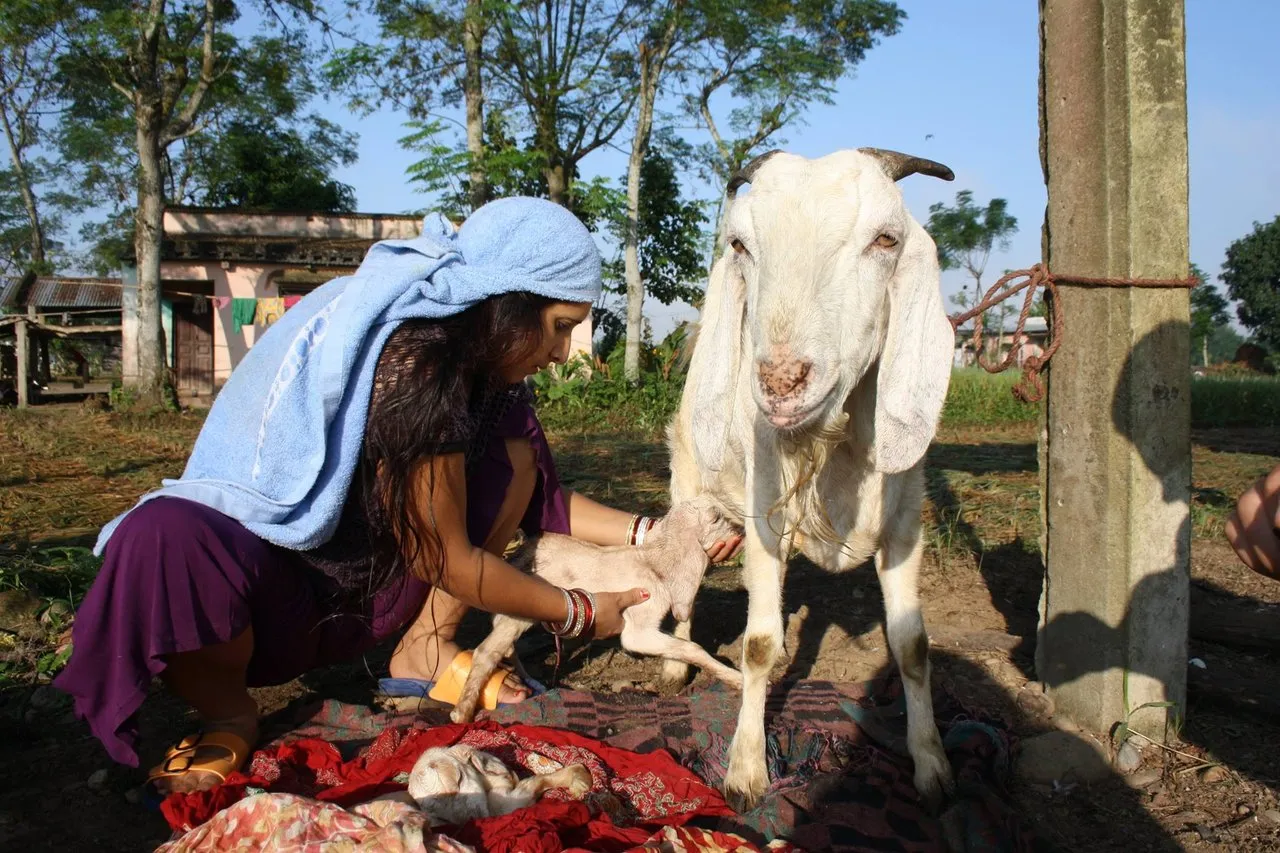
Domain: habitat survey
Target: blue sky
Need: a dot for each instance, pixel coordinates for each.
(958, 84)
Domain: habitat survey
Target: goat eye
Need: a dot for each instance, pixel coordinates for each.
(738, 247)
(886, 241)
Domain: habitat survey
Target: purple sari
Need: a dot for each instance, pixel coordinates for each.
(178, 576)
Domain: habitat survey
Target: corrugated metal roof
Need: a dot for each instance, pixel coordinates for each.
(49, 292)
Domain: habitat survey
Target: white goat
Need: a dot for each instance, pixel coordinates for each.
(815, 385)
(669, 564)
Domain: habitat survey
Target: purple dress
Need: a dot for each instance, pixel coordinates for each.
(178, 576)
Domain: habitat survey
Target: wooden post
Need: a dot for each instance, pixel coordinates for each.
(1113, 637)
(24, 363)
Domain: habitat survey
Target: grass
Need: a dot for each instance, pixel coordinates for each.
(66, 470)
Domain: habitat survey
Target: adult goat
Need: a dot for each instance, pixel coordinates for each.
(819, 371)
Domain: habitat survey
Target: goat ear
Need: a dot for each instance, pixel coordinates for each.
(720, 333)
(915, 367)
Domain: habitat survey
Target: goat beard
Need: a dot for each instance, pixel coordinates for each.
(803, 456)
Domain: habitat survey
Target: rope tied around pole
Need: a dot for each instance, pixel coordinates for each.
(1030, 389)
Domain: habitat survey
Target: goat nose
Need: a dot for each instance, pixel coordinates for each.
(784, 377)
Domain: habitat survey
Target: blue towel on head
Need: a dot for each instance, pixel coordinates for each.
(279, 448)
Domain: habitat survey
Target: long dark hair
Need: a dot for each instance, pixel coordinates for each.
(431, 372)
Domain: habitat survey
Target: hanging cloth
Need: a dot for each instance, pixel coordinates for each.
(269, 310)
(242, 311)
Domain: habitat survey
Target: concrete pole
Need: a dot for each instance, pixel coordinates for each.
(1113, 636)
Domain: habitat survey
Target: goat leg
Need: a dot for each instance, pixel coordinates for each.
(575, 778)
(500, 643)
(898, 566)
(747, 777)
(651, 641)
(675, 672)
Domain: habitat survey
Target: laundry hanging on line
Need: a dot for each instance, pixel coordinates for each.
(249, 311)
(242, 311)
(269, 310)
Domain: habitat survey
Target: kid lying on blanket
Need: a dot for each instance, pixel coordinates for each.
(361, 471)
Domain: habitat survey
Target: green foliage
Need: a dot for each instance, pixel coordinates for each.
(584, 395)
(32, 201)
(966, 233)
(511, 168)
(195, 77)
(775, 59)
(671, 235)
(257, 164)
(1252, 275)
(558, 72)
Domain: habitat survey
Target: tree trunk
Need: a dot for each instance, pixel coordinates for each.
(631, 245)
(557, 183)
(473, 89)
(28, 197)
(1204, 349)
(147, 239)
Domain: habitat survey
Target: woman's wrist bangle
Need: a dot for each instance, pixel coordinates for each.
(561, 628)
(639, 528)
(581, 616)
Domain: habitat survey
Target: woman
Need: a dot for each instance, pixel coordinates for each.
(362, 469)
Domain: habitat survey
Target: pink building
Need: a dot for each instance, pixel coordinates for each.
(214, 261)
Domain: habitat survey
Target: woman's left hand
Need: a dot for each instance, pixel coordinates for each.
(725, 549)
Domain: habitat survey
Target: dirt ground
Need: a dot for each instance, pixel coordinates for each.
(65, 471)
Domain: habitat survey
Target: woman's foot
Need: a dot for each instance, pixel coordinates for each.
(201, 762)
(428, 659)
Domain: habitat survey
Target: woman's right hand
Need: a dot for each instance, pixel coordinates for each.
(609, 609)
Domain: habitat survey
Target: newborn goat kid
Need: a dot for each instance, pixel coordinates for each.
(670, 565)
(455, 784)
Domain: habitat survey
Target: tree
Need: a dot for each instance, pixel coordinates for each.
(142, 79)
(669, 236)
(30, 33)
(1208, 312)
(655, 48)
(1252, 275)
(966, 233)
(1224, 341)
(555, 66)
(776, 59)
(256, 164)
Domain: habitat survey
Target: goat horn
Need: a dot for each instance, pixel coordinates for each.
(746, 173)
(898, 165)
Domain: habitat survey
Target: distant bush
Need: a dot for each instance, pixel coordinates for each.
(1235, 401)
(586, 396)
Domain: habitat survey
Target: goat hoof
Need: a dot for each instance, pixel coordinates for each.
(741, 801)
(935, 784)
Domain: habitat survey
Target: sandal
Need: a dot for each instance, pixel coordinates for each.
(448, 689)
(181, 757)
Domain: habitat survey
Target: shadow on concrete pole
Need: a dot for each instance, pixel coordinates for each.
(1114, 615)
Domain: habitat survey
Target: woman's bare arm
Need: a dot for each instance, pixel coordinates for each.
(480, 579)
